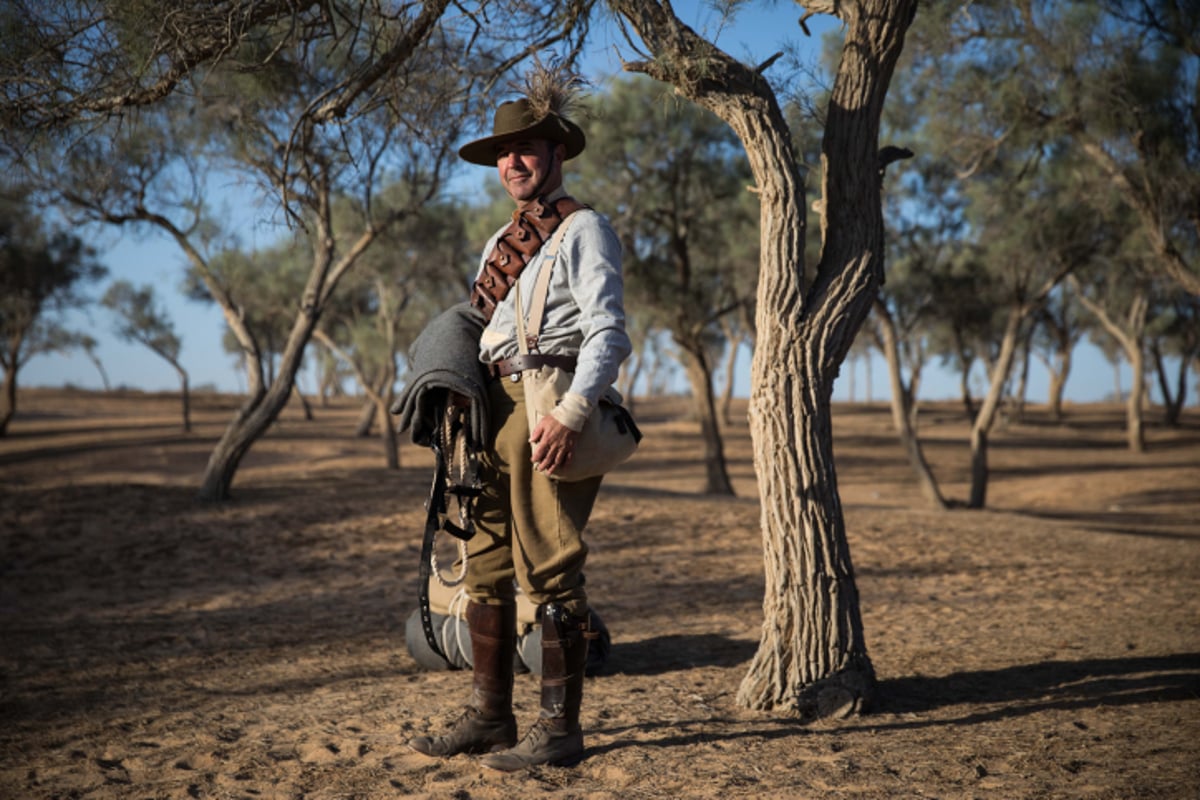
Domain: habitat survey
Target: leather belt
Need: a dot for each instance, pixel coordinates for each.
(519, 363)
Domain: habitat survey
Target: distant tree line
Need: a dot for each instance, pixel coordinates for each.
(1054, 194)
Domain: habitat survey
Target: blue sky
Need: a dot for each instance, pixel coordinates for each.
(758, 31)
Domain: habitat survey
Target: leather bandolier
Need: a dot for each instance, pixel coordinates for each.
(518, 242)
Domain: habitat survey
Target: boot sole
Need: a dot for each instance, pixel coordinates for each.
(499, 747)
(569, 761)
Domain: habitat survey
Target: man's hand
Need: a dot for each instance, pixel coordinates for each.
(553, 445)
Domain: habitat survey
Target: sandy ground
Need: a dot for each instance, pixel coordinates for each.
(154, 647)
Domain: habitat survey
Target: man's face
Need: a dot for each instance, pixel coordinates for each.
(529, 167)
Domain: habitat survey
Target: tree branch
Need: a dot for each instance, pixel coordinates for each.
(204, 33)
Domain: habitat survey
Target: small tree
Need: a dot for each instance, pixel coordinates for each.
(139, 319)
(389, 300)
(1176, 332)
(41, 270)
(1120, 300)
(1059, 330)
(88, 345)
(922, 259)
(1007, 233)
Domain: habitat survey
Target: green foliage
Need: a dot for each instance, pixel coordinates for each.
(674, 181)
(1114, 83)
(139, 319)
(419, 267)
(264, 285)
(1047, 137)
(42, 269)
(487, 215)
(134, 24)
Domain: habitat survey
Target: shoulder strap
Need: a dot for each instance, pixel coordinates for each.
(537, 307)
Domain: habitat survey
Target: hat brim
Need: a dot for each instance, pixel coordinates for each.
(553, 128)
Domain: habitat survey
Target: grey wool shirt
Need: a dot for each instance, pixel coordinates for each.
(585, 311)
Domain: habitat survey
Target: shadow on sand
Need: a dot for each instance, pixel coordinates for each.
(914, 702)
(1029, 688)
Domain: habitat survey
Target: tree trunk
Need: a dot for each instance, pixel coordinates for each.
(988, 410)
(654, 380)
(964, 381)
(1057, 387)
(1023, 380)
(366, 418)
(629, 376)
(915, 370)
(256, 415)
(735, 344)
(9, 409)
(1134, 429)
(379, 395)
(979, 466)
(1180, 398)
(99, 368)
(305, 406)
(249, 423)
(387, 431)
(1131, 337)
(870, 390)
(1160, 373)
(812, 657)
(1058, 383)
(716, 473)
(184, 399)
(1022, 305)
(1172, 402)
(903, 416)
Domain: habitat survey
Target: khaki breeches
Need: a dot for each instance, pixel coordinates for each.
(527, 527)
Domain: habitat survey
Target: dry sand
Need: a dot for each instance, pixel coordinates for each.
(153, 647)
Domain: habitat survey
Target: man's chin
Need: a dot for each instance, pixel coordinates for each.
(520, 187)
(522, 196)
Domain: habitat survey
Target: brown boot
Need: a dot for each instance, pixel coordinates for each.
(556, 738)
(487, 723)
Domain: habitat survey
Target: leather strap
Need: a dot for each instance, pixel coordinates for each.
(529, 329)
(434, 507)
(466, 488)
(523, 237)
(516, 364)
(537, 304)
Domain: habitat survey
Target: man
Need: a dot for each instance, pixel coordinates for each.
(529, 527)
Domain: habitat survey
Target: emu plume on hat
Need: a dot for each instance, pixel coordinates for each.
(550, 93)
